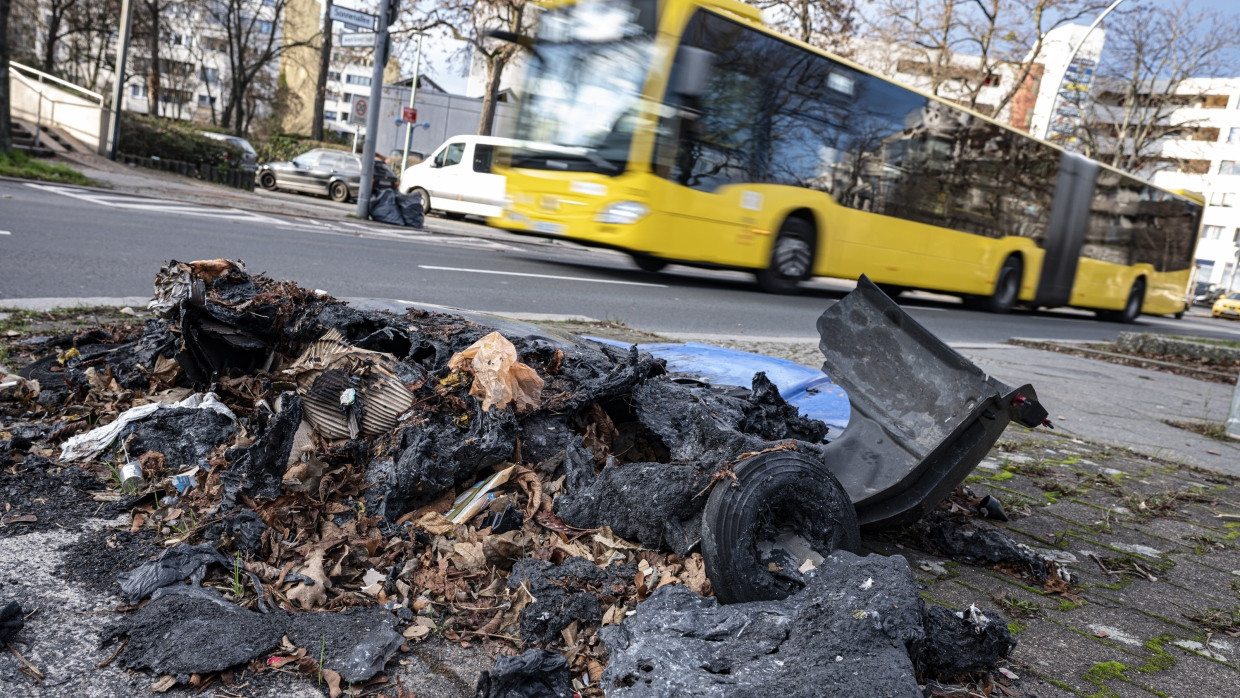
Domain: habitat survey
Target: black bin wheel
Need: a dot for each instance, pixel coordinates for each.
(781, 505)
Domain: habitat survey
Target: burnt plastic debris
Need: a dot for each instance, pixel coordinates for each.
(846, 633)
(258, 470)
(510, 519)
(174, 566)
(563, 593)
(192, 630)
(923, 416)
(531, 674)
(991, 508)
(970, 541)
(960, 642)
(244, 530)
(11, 621)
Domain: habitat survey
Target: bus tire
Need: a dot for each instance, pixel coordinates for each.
(792, 258)
(776, 498)
(648, 262)
(893, 292)
(1132, 307)
(1007, 287)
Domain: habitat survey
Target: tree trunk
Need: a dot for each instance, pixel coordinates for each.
(153, 78)
(49, 46)
(320, 87)
(6, 143)
(495, 70)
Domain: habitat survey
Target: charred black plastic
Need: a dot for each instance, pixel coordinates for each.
(923, 416)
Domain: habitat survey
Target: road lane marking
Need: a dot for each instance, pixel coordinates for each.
(539, 276)
(5, 232)
(137, 203)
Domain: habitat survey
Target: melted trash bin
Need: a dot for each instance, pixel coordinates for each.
(922, 417)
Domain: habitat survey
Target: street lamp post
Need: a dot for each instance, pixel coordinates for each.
(413, 93)
(118, 86)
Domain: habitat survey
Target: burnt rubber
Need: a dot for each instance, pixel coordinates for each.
(774, 494)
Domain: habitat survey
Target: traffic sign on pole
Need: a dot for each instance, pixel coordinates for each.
(358, 39)
(358, 115)
(352, 17)
(408, 114)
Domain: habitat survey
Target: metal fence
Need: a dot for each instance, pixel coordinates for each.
(228, 176)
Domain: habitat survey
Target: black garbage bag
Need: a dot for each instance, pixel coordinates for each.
(11, 621)
(411, 210)
(383, 207)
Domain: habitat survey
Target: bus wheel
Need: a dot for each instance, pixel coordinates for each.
(1007, 287)
(792, 258)
(647, 262)
(1132, 308)
(893, 292)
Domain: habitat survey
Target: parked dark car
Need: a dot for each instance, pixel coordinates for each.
(322, 171)
(249, 157)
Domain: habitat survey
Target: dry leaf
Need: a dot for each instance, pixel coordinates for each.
(333, 682)
(502, 550)
(435, 524)
(694, 575)
(164, 683)
(311, 597)
(469, 556)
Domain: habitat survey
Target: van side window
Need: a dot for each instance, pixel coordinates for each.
(454, 154)
(483, 155)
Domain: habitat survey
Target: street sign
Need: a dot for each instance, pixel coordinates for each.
(408, 114)
(358, 115)
(352, 17)
(358, 39)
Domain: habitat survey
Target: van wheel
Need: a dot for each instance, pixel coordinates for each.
(454, 216)
(1007, 287)
(426, 199)
(1132, 307)
(339, 191)
(792, 258)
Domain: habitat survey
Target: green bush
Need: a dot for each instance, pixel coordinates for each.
(286, 146)
(169, 139)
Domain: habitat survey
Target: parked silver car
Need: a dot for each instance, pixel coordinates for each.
(249, 157)
(322, 171)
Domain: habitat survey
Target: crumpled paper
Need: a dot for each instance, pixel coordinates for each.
(498, 377)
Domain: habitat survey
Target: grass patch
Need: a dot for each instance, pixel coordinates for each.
(1207, 340)
(15, 163)
(1211, 430)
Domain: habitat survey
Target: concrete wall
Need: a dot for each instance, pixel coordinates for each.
(77, 116)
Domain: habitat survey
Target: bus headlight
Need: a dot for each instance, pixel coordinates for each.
(622, 213)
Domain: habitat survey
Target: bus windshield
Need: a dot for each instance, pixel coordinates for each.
(584, 85)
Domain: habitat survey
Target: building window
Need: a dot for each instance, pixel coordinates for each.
(347, 98)
(211, 75)
(1212, 232)
(344, 116)
(1233, 136)
(264, 27)
(329, 116)
(357, 80)
(333, 75)
(137, 91)
(205, 100)
(1219, 198)
(1229, 167)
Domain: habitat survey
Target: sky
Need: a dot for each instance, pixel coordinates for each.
(452, 73)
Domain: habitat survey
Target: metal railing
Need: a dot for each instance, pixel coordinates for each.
(71, 108)
(47, 77)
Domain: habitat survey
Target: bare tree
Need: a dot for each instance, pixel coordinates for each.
(149, 30)
(822, 23)
(964, 46)
(88, 42)
(1140, 90)
(253, 43)
(57, 29)
(471, 21)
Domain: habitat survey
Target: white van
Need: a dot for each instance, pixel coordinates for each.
(456, 179)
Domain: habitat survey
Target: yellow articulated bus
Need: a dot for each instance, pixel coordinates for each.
(685, 131)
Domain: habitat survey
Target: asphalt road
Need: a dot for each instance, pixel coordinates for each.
(58, 241)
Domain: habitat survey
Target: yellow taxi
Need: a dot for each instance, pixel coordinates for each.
(1227, 306)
